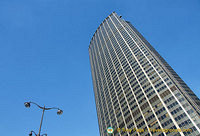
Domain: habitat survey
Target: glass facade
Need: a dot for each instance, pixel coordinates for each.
(136, 91)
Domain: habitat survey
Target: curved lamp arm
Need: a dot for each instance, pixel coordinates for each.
(28, 104)
(52, 108)
(37, 105)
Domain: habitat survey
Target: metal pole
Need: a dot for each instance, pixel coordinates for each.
(41, 120)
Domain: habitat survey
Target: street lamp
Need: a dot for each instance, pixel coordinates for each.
(28, 105)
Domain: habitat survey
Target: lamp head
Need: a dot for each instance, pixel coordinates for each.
(27, 104)
(59, 112)
(30, 134)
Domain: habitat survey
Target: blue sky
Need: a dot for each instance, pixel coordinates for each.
(44, 56)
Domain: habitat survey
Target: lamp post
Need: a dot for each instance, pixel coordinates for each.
(28, 105)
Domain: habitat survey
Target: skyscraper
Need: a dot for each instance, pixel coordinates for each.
(136, 91)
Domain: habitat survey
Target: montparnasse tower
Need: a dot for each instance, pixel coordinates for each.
(135, 88)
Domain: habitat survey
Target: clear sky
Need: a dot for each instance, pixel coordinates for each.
(44, 56)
